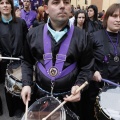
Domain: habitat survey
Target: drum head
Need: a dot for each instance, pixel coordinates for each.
(42, 107)
(110, 102)
(14, 70)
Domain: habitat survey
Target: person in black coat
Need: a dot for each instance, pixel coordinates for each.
(93, 24)
(12, 37)
(106, 47)
(79, 50)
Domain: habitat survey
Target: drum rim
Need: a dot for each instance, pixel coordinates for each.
(45, 97)
(97, 103)
(63, 109)
(7, 73)
(100, 109)
(12, 92)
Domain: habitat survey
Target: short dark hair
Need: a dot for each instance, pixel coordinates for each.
(109, 12)
(12, 12)
(46, 2)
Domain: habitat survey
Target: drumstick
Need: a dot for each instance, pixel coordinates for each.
(26, 110)
(10, 58)
(110, 82)
(80, 88)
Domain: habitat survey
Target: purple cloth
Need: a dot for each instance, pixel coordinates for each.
(33, 7)
(29, 17)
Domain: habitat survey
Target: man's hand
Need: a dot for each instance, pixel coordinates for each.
(97, 76)
(75, 96)
(26, 93)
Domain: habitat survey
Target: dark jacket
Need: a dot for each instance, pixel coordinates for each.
(93, 26)
(80, 51)
(12, 37)
(109, 69)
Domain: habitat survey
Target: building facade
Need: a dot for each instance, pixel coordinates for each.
(101, 4)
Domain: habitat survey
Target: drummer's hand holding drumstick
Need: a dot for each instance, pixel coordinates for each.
(97, 76)
(75, 92)
(76, 96)
(26, 94)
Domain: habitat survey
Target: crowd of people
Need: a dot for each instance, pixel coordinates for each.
(62, 47)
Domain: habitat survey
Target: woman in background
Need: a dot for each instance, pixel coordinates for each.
(93, 24)
(13, 32)
(80, 19)
(41, 17)
(106, 48)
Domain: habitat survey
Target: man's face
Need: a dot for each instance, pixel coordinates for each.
(5, 7)
(26, 3)
(58, 10)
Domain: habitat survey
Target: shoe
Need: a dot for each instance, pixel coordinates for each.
(1, 109)
(18, 113)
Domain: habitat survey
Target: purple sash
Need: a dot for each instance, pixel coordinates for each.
(56, 71)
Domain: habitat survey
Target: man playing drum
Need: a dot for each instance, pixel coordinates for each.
(62, 54)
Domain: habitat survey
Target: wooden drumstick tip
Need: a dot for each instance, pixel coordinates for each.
(44, 119)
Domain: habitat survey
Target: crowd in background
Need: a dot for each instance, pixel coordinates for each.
(41, 16)
(89, 19)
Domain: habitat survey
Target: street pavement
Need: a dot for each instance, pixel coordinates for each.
(5, 115)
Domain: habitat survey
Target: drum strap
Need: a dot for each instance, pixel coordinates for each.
(54, 94)
(56, 71)
(66, 71)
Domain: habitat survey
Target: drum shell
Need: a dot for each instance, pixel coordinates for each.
(12, 83)
(13, 78)
(99, 113)
(64, 111)
(104, 108)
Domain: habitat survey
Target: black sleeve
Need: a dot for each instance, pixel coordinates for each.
(86, 61)
(27, 63)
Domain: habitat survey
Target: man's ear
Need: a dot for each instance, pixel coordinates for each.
(46, 9)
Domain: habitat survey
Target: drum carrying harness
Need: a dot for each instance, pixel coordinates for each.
(56, 71)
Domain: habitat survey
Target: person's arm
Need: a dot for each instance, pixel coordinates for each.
(27, 70)
(27, 63)
(97, 50)
(86, 62)
(86, 66)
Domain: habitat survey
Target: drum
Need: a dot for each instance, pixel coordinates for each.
(45, 105)
(107, 105)
(13, 82)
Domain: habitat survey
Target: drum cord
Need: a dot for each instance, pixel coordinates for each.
(54, 94)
